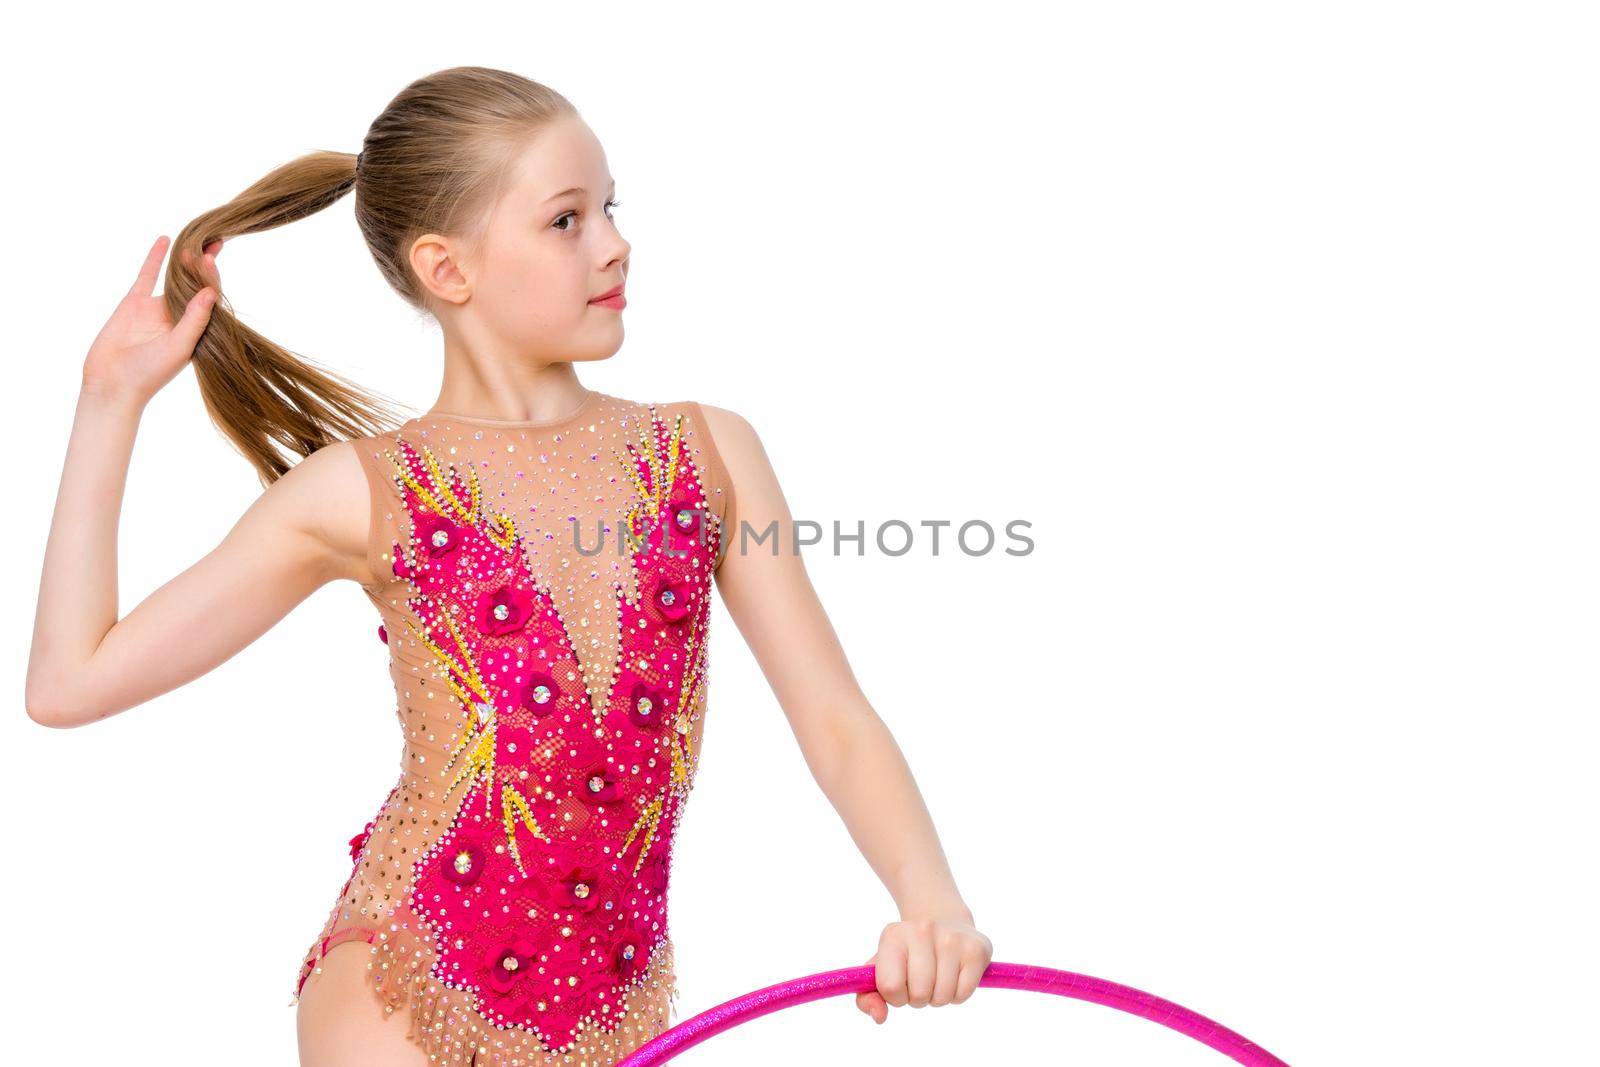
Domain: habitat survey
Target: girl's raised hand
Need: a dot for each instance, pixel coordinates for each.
(925, 961)
(140, 349)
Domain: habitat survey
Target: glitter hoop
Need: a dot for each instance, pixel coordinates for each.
(863, 979)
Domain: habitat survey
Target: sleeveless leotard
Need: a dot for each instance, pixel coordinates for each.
(550, 687)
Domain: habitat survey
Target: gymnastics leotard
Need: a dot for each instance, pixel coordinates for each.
(544, 589)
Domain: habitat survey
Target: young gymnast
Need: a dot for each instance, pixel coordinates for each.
(542, 558)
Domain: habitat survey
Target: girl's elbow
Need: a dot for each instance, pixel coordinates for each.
(48, 705)
(45, 714)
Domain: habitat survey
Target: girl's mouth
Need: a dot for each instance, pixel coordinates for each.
(611, 298)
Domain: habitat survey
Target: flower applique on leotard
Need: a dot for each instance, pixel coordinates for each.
(547, 625)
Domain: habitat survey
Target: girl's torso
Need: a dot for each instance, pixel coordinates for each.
(544, 592)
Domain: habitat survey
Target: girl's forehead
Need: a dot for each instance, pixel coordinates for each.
(562, 160)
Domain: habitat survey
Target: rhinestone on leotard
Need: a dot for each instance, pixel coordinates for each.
(533, 680)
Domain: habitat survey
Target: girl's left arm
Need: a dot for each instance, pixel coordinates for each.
(933, 955)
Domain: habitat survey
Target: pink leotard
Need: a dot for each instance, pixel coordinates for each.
(544, 591)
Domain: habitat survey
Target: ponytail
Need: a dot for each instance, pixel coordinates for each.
(268, 401)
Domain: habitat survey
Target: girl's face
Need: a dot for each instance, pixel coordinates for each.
(549, 248)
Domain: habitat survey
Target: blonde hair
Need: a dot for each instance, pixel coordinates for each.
(434, 161)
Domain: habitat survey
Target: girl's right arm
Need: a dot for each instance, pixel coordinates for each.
(308, 528)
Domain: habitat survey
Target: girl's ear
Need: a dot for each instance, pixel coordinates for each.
(434, 259)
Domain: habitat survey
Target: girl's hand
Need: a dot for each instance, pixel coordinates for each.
(926, 961)
(139, 350)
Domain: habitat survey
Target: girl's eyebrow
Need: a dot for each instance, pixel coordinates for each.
(576, 189)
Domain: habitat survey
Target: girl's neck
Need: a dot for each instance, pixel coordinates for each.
(504, 390)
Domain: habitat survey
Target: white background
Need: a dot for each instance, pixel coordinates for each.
(1277, 321)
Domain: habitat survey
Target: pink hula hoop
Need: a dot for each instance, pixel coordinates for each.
(725, 1016)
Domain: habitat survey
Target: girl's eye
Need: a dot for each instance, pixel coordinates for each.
(570, 214)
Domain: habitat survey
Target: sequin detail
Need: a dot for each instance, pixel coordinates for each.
(536, 901)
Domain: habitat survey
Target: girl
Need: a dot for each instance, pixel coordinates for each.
(541, 556)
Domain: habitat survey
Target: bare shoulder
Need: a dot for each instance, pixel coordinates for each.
(754, 482)
(731, 433)
(326, 498)
(736, 439)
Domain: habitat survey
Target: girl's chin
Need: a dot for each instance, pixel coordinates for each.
(593, 353)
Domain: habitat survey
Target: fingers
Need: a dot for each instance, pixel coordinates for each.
(211, 251)
(186, 334)
(871, 1002)
(145, 283)
(920, 970)
(923, 962)
(208, 262)
(975, 958)
(873, 1005)
(967, 981)
(947, 976)
(891, 970)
